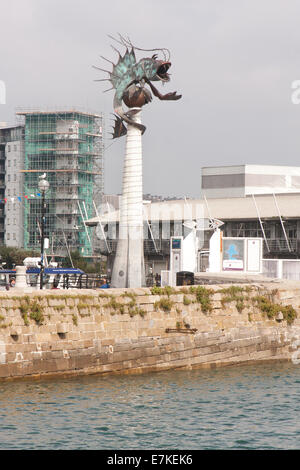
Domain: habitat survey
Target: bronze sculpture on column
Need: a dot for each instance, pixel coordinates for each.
(129, 78)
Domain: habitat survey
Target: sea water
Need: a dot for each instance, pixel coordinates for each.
(241, 407)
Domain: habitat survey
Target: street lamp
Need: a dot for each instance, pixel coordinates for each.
(43, 187)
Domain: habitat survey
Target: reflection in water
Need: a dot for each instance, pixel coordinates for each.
(238, 407)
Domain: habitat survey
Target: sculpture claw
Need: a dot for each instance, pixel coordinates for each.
(172, 96)
(168, 97)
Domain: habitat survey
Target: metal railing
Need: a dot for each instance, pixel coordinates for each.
(84, 281)
(161, 247)
(280, 245)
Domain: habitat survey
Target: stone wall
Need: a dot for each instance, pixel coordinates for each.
(65, 332)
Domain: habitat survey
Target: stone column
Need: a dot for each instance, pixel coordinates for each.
(129, 261)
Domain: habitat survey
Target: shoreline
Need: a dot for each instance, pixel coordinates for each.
(74, 374)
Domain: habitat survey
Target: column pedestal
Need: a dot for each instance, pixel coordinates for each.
(128, 269)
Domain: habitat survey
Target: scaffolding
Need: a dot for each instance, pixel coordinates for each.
(68, 147)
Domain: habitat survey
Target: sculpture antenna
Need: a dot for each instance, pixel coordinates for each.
(129, 77)
(128, 43)
(103, 70)
(107, 60)
(118, 52)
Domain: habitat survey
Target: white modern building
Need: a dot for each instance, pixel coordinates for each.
(245, 180)
(264, 205)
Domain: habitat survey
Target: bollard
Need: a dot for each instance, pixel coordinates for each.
(21, 282)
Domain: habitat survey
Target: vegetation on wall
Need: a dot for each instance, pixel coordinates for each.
(164, 304)
(271, 310)
(234, 294)
(251, 299)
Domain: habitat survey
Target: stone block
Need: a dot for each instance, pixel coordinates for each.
(88, 343)
(15, 331)
(119, 347)
(152, 351)
(143, 300)
(62, 328)
(62, 364)
(176, 298)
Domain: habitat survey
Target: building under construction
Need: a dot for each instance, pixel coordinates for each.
(68, 147)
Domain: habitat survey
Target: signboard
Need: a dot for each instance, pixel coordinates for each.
(175, 257)
(176, 243)
(253, 255)
(233, 255)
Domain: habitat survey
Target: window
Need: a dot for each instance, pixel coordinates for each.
(15, 177)
(8, 236)
(8, 163)
(15, 148)
(14, 221)
(8, 148)
(8, 192)
(14, 236)
(8, 221)
(8, 177)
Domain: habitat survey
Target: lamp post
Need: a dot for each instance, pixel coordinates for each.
(43, 187)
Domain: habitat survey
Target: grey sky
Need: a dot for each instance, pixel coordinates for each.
(233, 61)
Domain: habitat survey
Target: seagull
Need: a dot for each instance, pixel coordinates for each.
(43, 176)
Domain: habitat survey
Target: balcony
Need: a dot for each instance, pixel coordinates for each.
(156, 247)
(279, 245)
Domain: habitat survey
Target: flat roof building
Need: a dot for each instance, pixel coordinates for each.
(275, 218)
(244, 180)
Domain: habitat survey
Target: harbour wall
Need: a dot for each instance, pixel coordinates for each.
(74, 332)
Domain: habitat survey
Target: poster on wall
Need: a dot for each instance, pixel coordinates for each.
(233, 255)
(254, 255)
